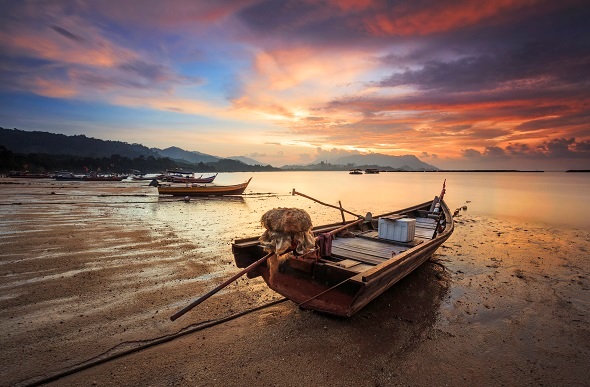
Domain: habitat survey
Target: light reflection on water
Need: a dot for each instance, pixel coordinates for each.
(555, 198)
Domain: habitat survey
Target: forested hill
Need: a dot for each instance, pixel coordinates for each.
(24, 142)
(42, 152)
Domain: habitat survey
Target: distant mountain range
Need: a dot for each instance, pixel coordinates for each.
(406, 162)
(27, 142)
(195, 157)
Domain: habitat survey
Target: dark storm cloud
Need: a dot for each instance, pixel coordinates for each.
(550, 49)
(314, 24)
(133, 75)
(155, 73)
(565, 148)
(541, 62)
(558, 148)
(577, 119)
(471, 153)
(68, 34)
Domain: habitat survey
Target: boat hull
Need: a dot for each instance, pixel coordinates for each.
(218, 190)
(324, 286)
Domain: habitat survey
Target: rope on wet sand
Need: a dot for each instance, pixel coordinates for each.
(148, 343)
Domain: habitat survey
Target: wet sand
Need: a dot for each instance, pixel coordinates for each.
(86, 275)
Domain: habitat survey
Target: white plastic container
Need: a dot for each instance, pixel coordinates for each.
(399, 230)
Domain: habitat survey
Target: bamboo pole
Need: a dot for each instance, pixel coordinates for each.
(325, 204)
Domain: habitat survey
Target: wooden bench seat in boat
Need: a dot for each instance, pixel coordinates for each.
(366, 249)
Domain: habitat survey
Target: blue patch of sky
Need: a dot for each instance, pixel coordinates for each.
(38, 111)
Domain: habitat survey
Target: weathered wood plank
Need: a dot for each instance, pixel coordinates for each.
(424, 234)
(362, 267)
(339, 253)
(375, 254)
(370, 245)
(347, 263)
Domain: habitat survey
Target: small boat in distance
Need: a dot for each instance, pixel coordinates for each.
(67, 176)
(365, 258)
(188, 179)
(180, 176)
(371, 170)
(147, 176)
(356, 171)
(28, 175)
(203, 190)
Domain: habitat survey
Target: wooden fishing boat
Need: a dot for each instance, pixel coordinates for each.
(198, 180)
(204, 190)
(364, 261)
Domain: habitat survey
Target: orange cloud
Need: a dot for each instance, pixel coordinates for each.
(444, 128)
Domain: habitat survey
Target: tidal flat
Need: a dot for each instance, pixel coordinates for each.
(88, 270)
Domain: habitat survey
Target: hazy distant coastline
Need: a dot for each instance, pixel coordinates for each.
(43, 152)
(47, 152)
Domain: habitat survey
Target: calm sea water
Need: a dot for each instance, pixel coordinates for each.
(555, 198)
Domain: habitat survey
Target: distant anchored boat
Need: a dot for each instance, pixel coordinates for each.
(204, 190)
(28, 175)
(189, 179)
(179, 176)
(92, 177)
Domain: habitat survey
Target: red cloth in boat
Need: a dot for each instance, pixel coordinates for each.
(323, 243)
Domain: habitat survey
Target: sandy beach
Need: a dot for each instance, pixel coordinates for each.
(502, 303)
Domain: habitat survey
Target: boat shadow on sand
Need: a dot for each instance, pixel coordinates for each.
(403, 316)
(196, 199)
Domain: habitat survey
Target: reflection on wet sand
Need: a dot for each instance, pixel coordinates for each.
(203, 199)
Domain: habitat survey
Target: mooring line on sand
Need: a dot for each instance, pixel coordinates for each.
(99, 359)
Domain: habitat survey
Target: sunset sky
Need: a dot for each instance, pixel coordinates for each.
(459, 84)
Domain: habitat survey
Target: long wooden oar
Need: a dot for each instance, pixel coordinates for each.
(325, 204)
(218, 288)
